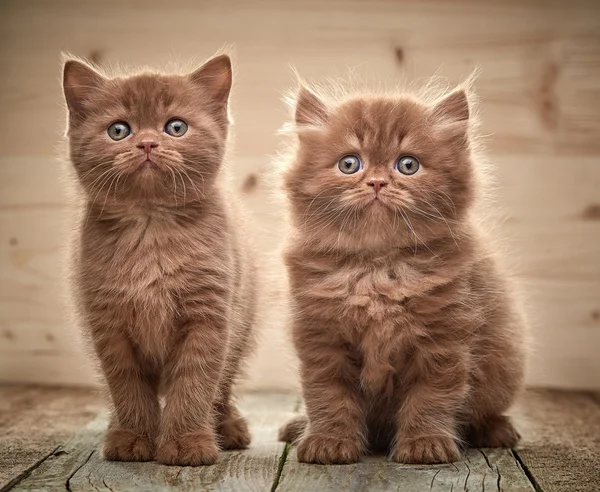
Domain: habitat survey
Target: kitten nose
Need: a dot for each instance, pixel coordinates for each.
(147, 145)
(377, 184)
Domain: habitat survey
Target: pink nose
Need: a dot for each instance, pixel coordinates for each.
(147, 145)
(377, 184)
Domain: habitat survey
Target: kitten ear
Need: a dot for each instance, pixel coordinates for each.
(215, 76)
(79, 82)
(453, 107)
(310, 110)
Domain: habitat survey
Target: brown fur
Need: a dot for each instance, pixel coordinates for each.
(163, 275)
(408, 337)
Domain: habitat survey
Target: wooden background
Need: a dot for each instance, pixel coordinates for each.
(540, 90)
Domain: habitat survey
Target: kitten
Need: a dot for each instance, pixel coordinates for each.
(408, 338)
(163, 277)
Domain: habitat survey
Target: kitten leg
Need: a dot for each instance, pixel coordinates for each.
(232, 428)
(491, 394)
(187, 434)
(495, 432)
(495, 383)
(436, 388)
(335, 432)
(132, 430)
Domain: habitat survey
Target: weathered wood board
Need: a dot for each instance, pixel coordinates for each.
(560, 452)
(35, 421)
(78, 466)
(485, 470)
(561, 440)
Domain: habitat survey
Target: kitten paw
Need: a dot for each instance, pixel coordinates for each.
(234, 433)
(496, 432)
(292, 430)
(125, 445)
(188, 450)
(315, 448)
(426, 450)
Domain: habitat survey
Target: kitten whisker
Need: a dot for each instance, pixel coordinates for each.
(184, 188)
(319, 194)
(195, 171)
(100, 187)
(107, 193)
(346, 217)
(174, 185)
(98, 178)
(417, 238)
(445, 198)
(445, 221)
(197, 191)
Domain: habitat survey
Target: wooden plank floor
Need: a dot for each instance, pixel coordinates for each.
(49, 440)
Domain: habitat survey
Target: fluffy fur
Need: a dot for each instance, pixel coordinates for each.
(163, 275)
(408, 337)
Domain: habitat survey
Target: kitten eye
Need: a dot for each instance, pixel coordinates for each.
(407, 164)
(350, 164)
(119, 130)
(176, 128)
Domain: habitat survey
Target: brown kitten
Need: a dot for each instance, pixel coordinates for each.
(408, 338)
(163, 276)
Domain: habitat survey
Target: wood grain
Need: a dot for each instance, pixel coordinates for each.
(35, 421)
(561, 440)
(540, 102)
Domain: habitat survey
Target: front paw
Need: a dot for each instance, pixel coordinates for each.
(188, 450)
(426, 450)
(126, 445)
(234, 433)
(327, 450)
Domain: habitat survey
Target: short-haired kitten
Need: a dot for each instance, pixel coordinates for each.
(163, 276)
(408, 337)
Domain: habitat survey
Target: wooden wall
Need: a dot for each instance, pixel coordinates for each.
(540, 90)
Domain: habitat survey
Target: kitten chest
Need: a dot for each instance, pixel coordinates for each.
(367, 307)
(376, 306)
(142, 285)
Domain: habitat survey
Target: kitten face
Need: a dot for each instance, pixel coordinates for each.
(380, 169)
(150, 137)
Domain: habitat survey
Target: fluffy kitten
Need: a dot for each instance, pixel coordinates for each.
(408, 338)
(164, 279)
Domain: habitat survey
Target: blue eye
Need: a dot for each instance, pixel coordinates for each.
(176, 128)
(350, 164)
(407, 164)
(119, 130)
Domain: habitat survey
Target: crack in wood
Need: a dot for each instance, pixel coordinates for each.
(27, 472)
(468, 474)
(68, 482)
(433, 479)
(486, 459)
(498, 485)
(106, 485)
